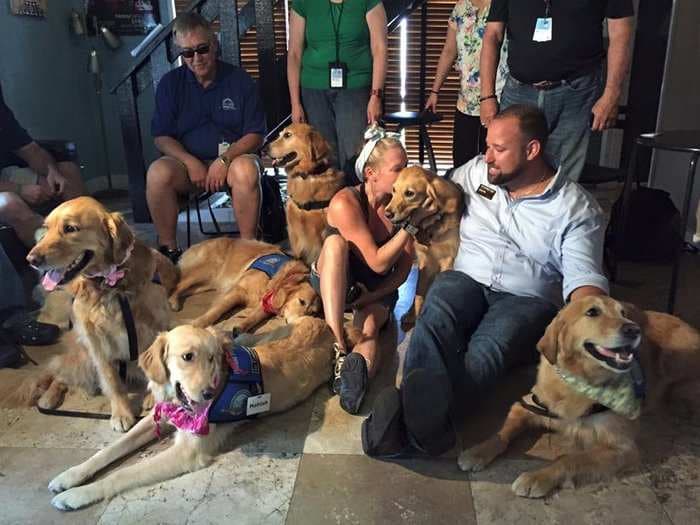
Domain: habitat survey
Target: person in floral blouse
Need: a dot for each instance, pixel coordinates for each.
(465, 31)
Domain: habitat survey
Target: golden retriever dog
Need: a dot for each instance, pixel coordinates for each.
(436, 245)
(95, 255)
(597, 343)
(224, 265)
(311, 184)
(188, 367)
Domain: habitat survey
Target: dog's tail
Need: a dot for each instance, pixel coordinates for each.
(167, 272)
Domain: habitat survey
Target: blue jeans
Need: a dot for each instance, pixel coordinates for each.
(340, 115)
(568, 112)
(11, 289)
(472, 335)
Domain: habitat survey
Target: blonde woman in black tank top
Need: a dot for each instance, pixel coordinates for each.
(363, 251)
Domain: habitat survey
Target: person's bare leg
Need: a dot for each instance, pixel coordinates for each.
(165, 180)
(74, 182)
(370, 320)
(244, 180)
(17, 213)
(332, 266)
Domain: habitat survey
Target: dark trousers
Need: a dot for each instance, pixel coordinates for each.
(468, 138)
(472, 335)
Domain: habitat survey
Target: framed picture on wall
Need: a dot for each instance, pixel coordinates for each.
(29, 7)
(124, 17)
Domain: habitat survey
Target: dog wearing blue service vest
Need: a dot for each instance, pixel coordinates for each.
(188, 369)
(603, 363)
(247, 273)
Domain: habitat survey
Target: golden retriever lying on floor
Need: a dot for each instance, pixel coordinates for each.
(189, 366)
(226, 265)
(96, 256)
(586, 387)
(436, 245)
(311, 184)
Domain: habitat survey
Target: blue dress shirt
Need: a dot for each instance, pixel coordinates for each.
(544, 245)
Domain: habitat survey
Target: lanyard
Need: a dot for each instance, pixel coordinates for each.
(547, 6)
(336, 27)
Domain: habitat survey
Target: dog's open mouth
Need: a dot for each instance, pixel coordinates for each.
(619, 358)
(283, 161)
(56, 276)
(185, 401)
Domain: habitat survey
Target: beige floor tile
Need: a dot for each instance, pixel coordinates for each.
(24, 476)
(626, 501)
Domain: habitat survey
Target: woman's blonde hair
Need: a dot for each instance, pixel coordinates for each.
(377, 154)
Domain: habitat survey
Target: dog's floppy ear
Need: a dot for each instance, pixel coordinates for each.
(318, 146)
(152, 361)
(548, 345)
(121, 235)
(434, 200)
(288, 277)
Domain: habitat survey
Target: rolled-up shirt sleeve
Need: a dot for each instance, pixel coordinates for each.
(582, 255)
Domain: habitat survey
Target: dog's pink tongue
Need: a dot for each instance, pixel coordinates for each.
(606, 352)
(51, 280)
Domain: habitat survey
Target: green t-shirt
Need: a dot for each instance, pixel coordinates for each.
(319, 38)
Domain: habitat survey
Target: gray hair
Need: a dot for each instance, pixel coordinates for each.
(189, 22)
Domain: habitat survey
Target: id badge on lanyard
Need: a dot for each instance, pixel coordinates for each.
(337, 71)
(543, 25)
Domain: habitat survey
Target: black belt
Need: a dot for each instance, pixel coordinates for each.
(544, 85)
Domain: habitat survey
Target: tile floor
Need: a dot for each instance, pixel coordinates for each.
(306, 466)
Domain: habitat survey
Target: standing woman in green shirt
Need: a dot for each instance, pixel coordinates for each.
(336, 65)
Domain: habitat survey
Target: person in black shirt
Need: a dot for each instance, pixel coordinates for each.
(555, 54)
(30, 178)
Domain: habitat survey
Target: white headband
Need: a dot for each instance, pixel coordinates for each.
(373, 135)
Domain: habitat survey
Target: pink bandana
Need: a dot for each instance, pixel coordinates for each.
(181, 418)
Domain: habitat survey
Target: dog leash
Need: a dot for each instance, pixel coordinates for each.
(130, 333)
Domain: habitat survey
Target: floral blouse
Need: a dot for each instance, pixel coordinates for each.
(470, 25)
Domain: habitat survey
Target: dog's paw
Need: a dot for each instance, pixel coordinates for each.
(53, 396)
(148, 402)
(74, 499)
(175, 303)
(536, 484)
(122, 422)
(66, 480)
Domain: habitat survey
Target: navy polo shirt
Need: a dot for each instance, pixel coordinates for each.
(12, 135)
(200, 118)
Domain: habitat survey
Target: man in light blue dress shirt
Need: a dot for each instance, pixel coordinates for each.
(530, 239)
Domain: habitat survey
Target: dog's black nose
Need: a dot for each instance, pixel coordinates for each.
(35, 260)
(207, 394)
(631, 330)
(389, 215)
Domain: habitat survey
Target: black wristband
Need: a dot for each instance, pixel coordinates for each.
(481, 99)
(435, 92)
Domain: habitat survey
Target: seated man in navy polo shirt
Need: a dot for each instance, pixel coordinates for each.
(31, 181)
(208, 123)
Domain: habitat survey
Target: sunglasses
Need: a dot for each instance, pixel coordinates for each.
(201, 49)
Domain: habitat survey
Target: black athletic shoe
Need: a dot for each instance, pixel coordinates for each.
(171, 253)
(353, 382)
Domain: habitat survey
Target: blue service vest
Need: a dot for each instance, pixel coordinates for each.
(270, 264)
(244, 380)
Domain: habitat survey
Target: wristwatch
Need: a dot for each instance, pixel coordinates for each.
(225, 160)
(410, 228)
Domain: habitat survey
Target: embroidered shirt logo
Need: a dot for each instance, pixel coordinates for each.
(228, 105)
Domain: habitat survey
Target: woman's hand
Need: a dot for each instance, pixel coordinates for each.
(374, 109)
(431, 104)
(298, 115)
(487, 110)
